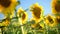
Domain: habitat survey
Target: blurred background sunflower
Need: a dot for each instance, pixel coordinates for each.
(36, 10)
(23, 15)
(50, 20)
(7, 7)
(56, 7)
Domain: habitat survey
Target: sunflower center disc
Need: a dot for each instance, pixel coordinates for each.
(5, 3)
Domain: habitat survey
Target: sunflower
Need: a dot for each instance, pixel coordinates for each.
(21, 13)
(56, 6)
(36, 11)
(7, 6)
(50, 20)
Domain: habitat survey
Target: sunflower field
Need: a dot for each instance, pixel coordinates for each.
(16, 21)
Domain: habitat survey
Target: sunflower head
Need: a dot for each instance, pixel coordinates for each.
(5, 3)
(8, 6)
(36, 10)
(56, 6)
(22, 14)
(50, 20)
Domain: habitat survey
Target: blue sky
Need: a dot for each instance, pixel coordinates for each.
(27, 3)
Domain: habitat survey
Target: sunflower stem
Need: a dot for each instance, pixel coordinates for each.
(21, 23)
(22, 27)
(0, 31)
(57, 30)
(44, 29)
(47, 29)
